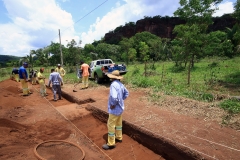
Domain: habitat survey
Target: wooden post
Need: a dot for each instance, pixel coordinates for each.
(60, 48)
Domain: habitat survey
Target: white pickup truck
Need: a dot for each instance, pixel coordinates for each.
(101, 67)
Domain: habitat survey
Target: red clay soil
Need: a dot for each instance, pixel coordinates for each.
(28, 121)
(202, 137)
(149, 129)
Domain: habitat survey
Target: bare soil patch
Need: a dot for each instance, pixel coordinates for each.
(190, 127)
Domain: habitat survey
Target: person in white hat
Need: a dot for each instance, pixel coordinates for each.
(61, 71)
(118, 93)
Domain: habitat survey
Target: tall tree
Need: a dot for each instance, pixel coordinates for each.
(144, 50)
(198, 16)
(130, 55)
(72, 54)
(236, 36)
(126, 44)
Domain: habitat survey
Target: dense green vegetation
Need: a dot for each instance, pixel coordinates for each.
(6, 60)
(211, 78)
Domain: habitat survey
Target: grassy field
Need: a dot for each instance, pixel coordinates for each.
(210, 78)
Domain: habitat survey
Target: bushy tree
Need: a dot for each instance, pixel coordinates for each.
(144, 50)
(192, 35)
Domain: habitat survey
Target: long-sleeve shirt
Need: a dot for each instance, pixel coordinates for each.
(55, 79)
(61, 71)
(118, 93)
(22, 71)
(40, 77)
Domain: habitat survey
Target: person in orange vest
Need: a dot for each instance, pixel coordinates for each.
(85, 75)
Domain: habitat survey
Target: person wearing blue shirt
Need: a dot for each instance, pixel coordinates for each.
(118, 93)
(23, 76)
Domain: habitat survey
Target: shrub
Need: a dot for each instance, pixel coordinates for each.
(231, 105)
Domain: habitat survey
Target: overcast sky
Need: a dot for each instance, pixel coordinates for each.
(33, 24)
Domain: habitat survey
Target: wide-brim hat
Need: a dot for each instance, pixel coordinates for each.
(115, 75)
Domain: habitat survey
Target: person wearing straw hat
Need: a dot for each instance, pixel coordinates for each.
(41, 81)
(118, 93)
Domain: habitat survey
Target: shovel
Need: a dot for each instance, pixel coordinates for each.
(75, 86)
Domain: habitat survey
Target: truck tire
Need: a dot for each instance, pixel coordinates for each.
(97, 79)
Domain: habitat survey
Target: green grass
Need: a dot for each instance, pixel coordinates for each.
(209, 77)
(231, 105)
(5, 73)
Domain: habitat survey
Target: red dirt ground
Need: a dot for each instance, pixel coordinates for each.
(28, 121)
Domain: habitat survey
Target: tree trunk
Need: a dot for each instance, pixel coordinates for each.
(192, 63)
(145, 68)
(189, 72)
(162, 73)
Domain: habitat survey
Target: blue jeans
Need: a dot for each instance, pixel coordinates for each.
(57, 90)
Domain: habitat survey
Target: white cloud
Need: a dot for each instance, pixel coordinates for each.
(34, 25)
(224, 8)
(131, 11)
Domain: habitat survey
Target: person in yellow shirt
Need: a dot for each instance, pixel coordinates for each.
(85, 75)
(41, 81)
(61, 71)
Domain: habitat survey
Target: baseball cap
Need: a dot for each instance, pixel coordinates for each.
(25, 63)
(59, 65)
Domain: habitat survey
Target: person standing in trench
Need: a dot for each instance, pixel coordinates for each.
(118, 93)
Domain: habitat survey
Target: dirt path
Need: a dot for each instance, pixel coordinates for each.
(159, 132)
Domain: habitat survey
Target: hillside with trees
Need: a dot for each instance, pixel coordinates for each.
(6, 60)
(192, 34)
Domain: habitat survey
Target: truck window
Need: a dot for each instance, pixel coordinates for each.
(106, 61)
(102, 61)
(98, 62)
(91, 65)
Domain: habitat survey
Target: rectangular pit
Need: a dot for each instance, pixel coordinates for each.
(162, 147)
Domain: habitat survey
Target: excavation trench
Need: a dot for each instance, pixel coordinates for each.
(138, 142)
